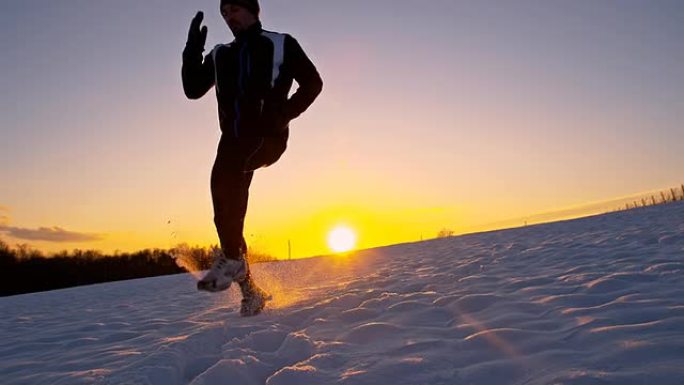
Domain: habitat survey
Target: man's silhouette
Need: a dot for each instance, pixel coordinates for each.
(252, 76)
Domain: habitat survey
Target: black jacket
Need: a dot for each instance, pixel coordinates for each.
(253, 76)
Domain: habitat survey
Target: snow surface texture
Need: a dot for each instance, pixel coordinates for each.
(592, 301)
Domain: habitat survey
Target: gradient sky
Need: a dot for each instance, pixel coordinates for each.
(441, 114)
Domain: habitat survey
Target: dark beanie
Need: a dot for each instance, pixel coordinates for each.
(250, 5)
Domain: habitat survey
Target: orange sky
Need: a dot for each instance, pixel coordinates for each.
(483, 116)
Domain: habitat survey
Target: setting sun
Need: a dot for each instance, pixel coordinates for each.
(341, 239)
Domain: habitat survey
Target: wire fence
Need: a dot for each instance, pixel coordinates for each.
(673, 194)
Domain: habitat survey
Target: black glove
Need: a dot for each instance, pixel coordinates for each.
(196, 36)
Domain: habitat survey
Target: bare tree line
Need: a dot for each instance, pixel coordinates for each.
(25, 270)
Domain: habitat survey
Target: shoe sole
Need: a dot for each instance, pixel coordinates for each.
(211, 286)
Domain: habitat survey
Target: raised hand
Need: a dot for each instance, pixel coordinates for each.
(196, 36)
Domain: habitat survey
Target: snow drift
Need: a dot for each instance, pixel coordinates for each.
(598, 300)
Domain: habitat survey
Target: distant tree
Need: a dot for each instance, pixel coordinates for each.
(256, 256)
(7, 260)
(445, 233)
(4, 248)
(25, 251)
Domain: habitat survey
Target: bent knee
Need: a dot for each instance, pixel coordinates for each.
(270, 151)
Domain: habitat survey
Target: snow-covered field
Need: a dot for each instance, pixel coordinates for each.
(592, 301)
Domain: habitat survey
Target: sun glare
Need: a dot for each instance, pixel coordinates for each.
(341, 239)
